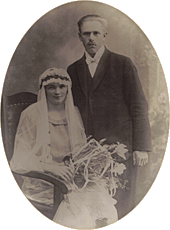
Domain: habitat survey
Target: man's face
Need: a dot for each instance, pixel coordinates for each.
(92, 36)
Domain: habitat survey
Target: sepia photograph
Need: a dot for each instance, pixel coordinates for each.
(84, 117)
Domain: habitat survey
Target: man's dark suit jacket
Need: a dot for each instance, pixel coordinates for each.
(112, 103)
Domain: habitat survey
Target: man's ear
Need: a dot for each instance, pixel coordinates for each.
(105, 34)
(80, 36)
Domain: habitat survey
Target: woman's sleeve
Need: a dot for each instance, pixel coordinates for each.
(24, 157)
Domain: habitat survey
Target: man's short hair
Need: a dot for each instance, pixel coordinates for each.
(92, 17)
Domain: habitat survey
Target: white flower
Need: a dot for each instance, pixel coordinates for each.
(119, 168)
(112, 187)
(121, 150)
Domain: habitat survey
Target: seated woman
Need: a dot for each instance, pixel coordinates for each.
(48, 130)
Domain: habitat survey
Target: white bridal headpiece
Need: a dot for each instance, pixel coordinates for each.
(54, 75)
(75, 126)
(32, 141)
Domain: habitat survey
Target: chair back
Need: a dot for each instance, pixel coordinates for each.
(11, 108)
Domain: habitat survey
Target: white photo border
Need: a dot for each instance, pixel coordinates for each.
(16, 18)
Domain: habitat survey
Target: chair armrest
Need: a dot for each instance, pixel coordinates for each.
(47, 177)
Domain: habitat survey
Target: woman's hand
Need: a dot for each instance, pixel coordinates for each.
(65, 172)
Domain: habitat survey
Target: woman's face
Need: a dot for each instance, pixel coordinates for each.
(56, 93)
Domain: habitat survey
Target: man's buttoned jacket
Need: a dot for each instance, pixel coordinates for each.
(112, 103)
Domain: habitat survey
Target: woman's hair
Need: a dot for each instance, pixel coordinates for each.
(92, 17)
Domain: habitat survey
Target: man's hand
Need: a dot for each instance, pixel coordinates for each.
(140, 158)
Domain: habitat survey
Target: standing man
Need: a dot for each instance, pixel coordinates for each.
(109, 95)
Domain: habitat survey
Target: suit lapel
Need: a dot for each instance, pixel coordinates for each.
(101, 68)
(83, 71)
(82, 74)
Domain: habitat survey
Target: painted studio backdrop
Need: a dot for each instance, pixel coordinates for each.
(53, 41)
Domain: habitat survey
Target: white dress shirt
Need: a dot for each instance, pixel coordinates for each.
(93, 62)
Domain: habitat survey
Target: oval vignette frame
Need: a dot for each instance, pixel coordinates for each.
(114, 51)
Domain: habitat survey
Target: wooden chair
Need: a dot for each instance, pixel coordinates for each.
(11, 108)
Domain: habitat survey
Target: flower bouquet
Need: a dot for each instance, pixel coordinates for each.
(98, 163)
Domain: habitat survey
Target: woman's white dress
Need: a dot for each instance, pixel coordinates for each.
(90, 208)
(93, 207)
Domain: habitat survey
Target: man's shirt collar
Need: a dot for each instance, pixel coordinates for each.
(97, 56)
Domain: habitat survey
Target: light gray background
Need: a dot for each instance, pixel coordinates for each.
(53, 42)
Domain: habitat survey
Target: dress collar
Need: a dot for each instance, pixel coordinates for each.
(57, 122)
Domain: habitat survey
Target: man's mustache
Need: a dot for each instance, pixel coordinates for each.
(91, 43)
